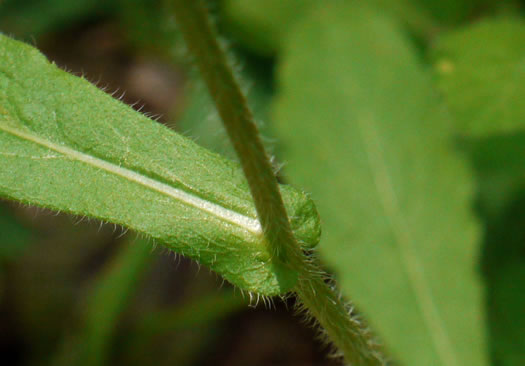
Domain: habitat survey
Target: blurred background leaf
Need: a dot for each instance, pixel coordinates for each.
(480, 70)
(481, 73)
(365, 133)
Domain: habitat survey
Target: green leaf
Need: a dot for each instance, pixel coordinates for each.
(481, 73)
(68, 146)
(365, 132)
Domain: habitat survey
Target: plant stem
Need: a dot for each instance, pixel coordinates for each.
(317, 297)
(238, 121)
(350, 337)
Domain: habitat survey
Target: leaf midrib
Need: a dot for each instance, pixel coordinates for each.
(414, 269)
(225, 214)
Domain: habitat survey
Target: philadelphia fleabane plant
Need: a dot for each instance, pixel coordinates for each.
(67, 146)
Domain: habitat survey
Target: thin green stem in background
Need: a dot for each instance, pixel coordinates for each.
(317, 297)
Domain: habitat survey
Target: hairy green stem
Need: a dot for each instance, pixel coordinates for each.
(316, 296)
(350, 337)
(238, 121)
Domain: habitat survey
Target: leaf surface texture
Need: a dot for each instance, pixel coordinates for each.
(68, 146)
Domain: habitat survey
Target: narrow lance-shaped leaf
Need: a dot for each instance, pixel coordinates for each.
(68, 146)
(363, 129)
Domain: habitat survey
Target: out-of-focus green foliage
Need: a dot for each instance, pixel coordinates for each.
(32, 18)
(13, 235)
(201, 121)
(197, 312)
(150, 28)
(498, 161)
(262, 25)
(453, 11)
(481, 72)
(195, 323)
(363, 130)
(504, 271)
(101, 309)
(14, 238)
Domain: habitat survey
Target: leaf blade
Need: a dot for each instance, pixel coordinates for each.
(68, 146)
(393, 197)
